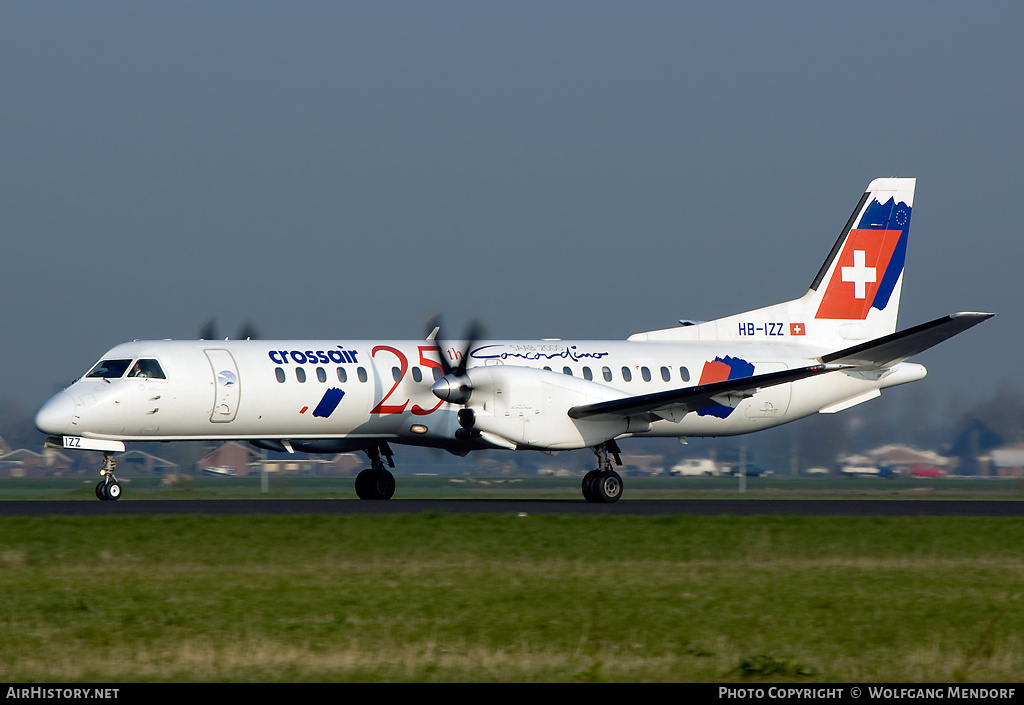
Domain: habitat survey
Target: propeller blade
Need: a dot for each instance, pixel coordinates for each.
(434, 333)
(454, 386)
(476, 331)
(208, 331)
(249, 331)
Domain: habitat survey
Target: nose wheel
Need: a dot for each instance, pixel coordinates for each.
(108, 489)
(376, 482)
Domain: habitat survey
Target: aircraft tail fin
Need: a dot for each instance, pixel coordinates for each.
(856, 293)
(857, 289)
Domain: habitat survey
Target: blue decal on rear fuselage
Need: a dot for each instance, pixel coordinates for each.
(720, 370)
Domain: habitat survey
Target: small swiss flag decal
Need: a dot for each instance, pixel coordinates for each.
(797, 329)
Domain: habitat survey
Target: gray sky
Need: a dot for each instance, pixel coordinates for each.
(566, 169)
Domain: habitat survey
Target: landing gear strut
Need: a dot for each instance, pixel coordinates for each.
(108, 489)
(376, 482)
(603, 484)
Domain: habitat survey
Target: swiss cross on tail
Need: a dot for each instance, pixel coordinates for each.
(862, 276)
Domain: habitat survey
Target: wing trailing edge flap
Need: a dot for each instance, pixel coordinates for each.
(676, 403)
(891, 349)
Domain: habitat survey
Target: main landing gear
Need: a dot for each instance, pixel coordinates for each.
(603, 484)
(108, 489)
(376, 482)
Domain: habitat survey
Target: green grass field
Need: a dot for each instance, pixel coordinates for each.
(436, 487)
(443, 597)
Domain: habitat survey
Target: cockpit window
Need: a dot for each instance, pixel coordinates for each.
(109, 369)
(147, 369)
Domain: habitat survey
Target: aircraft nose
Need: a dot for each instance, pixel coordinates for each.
(55, 415)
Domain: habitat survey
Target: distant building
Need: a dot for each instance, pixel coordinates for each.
(239, 460)
(903, 459)
(137, 462)
(228, 459)
(28, 463)
(1007, 461)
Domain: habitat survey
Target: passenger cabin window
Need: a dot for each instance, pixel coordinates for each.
(684, 374)
(300, 374)
(279, 373)
(361, 373)
(666, 374)
(321, 374)
(342, 375)
(109, 369)
(587, 374)
(147, 369)
(627, 374)
(607, 374)
(567, 370)
(646, 374)
(417, 375)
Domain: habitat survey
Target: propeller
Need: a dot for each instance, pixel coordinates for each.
(455, 386)
(248, 331)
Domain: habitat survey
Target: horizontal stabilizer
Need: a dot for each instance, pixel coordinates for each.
(897, 347)
(695, 398)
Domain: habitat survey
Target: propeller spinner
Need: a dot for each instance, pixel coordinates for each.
(455, 386)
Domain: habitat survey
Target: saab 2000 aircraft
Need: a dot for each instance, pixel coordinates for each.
(830, 349)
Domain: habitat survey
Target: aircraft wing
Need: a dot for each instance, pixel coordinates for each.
(676, 403)
(897, 347)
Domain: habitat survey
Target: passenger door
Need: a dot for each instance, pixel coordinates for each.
(226, 386)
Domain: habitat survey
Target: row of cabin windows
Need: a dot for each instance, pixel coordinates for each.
(417, 374)
(321, 374)
(627, 373)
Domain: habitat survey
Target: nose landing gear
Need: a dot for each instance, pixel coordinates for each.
(376, 482)
(108, 489)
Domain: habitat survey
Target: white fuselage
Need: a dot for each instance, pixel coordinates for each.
(353, 391)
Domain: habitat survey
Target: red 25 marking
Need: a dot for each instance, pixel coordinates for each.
(403, 366)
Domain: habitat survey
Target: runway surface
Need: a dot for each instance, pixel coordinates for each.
(643, 507)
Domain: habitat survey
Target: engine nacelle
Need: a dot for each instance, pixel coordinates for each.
(527, 408)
